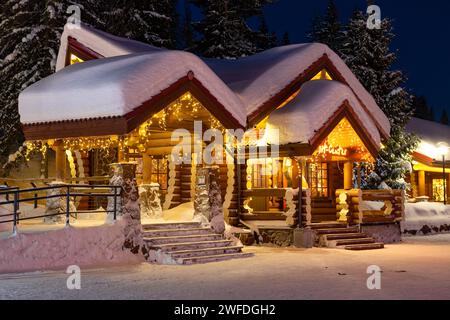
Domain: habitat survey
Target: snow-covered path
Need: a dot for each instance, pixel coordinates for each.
(416, 269)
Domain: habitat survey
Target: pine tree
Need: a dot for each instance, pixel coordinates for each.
(188, 32)
(224, 31)
(29, 41)
(421, 108)
(30, 33)
(444, 118)
(149, 21)
(285, 40)
(367, 53)
(327, 29)
(265, 38)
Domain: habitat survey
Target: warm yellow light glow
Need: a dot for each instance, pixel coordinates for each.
(322, 75)
(343, 143)
(423, 167)
(74, 59)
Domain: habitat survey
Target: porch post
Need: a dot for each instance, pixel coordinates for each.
(60, 160)
(421, 183)
(348, 175)
(147, 168)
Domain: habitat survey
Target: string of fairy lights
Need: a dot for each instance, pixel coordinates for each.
(186, 106)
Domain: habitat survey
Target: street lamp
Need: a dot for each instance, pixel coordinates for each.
(442, 149)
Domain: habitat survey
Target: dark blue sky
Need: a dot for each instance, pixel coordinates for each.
(423, 37)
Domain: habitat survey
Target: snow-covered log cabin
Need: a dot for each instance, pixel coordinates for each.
(116, 100)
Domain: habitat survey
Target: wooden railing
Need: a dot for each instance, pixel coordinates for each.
(296, 210)
(355, 203)
(38, 183)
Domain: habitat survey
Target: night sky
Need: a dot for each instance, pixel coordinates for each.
(423, 38)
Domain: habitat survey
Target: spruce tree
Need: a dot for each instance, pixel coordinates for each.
(444, 118)
(327, 29)
(421, 108)
(224, 31)
(149, 21)
(30, 33)
(188, 32)
(29, 42)
(285, 40)
(367, 53)
(265, 38)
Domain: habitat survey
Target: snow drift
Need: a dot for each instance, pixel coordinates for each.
(426, 218)
(53, 250)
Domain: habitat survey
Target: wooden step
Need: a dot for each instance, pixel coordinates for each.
(344, 236)
(191, 245)
(316, 218)
(176, 232)
(176, 225)
(337, 230)
(205, 252)
(345, 242)
(214, 258)
(183, 239)
(328, 225)
(361, 247)
(266, 216)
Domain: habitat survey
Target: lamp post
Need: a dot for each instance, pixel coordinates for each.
(442, 148)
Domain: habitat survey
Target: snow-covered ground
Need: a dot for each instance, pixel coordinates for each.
(426, 217)
(416, 269)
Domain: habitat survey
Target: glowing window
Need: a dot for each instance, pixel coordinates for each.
(74, 59)
(438, 190)
(322, 75)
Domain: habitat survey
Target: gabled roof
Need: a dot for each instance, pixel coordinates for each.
(430, 134)
(115, 87)
(301, 120)
(102, 43)
(132, 77)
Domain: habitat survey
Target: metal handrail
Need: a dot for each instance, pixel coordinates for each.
(16, 192)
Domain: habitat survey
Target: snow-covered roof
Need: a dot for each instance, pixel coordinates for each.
(430, 134)
(115, 86)
(258, 78)
(132, 73)
(301, 119)
(101, 42)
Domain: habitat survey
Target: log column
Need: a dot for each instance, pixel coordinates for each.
(348, 175)
(60, 160)
(421, 184)
(147, 168)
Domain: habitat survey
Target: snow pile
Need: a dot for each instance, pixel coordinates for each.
(300, 120)
(426, 217)
(115, 86)
(101, 42)
(183, 212)
(85, 247)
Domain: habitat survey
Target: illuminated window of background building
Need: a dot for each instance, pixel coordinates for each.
(75, 59)
(438, 190)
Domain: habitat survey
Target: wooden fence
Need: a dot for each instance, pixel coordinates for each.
(371, 206)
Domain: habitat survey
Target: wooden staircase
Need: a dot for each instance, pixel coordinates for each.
(190, 243)
(339, 235)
